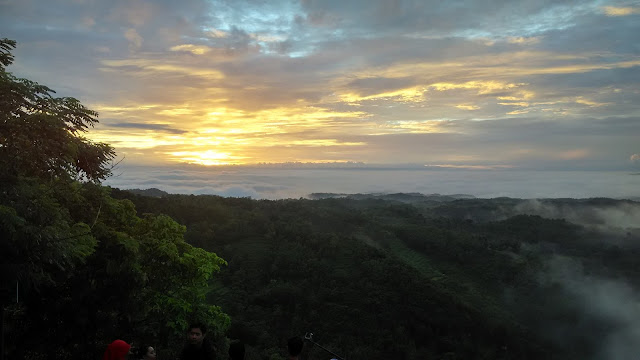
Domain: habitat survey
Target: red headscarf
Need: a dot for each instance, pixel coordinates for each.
(117, 350)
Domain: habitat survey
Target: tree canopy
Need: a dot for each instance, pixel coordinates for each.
(41, 135)
(102, 271)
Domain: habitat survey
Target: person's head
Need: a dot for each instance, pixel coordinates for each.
(294, 345)
(196, 333)
(236, 351)
(117, 350)
(146, 352)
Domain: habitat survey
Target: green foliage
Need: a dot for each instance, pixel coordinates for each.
(88, 269)
(166, 260)
(382, 279)
(40, 135)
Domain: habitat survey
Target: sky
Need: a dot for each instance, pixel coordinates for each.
(502, 84)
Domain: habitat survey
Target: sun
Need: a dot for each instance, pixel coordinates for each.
(208, 157)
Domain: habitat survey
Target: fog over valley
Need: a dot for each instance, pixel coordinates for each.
(294, 181)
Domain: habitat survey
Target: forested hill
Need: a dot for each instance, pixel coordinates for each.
(434, 278)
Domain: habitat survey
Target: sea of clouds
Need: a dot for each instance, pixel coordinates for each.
(269, 182)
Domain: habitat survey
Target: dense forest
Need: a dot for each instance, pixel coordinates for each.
(408, 276)
(373, 276)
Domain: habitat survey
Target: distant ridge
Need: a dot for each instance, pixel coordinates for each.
(402, 197)
(152, 192)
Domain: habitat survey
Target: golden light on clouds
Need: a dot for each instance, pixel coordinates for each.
(113, 109)
(202, 103)
(205, 127)
(590, 103)
(521, 104)
(225, 124)
(134, 140)
(518, 112)
(255, 82)
(518, 96)
(483, 87)
(524, 40)
(157, 67)
(415, 127)
(323, 142)
(206, 157)
(489, 71)
(194, 49)
(411, 94)
(467, 107)
(223, 135)
(620, 11)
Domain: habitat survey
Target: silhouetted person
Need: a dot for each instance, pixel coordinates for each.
(197, 347)
(146, 352)
(117, 350)
(294, 345)
(236, 351)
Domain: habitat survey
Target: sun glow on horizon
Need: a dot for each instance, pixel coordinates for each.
(207, 157)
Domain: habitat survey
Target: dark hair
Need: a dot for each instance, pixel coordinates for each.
(236, 351)
(294, 345)
(141, 351)
(198, 325)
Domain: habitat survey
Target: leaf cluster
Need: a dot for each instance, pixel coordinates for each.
(41, 135)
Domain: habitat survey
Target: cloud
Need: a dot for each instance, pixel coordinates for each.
(153, 67)
(573, 154)
(635, 158)
(609, 303)
(467, 107)
(522, 40)
(433, 17)
(194, 49)
(135, 12)
(216, 33)
(88, 22)
(147, 126)
(609, 218)
(620, 11)
(135, 40)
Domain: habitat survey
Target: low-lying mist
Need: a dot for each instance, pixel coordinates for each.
(274, 183)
